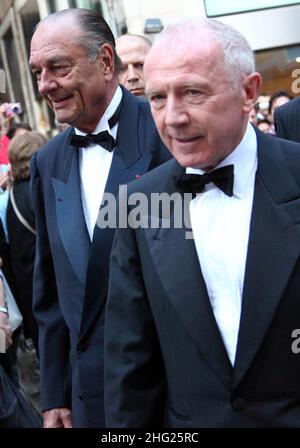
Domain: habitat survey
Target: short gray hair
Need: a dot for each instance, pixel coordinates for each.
(94, 31)
(238, 55)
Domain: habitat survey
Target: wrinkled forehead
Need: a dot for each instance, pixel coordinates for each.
(175, 51)
(55, 31)
(50, 40)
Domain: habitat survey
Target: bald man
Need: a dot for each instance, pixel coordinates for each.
(132, 50)
(200, 332)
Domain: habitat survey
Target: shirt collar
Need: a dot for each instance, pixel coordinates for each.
(244, 159)
(103, 122)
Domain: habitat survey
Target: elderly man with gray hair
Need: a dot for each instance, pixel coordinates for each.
(111, 140)
(204, 331)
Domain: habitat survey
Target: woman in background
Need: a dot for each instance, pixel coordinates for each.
(20, 225)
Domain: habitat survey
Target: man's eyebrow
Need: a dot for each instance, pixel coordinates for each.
(54, 59)
(152, 92)
(50, 61)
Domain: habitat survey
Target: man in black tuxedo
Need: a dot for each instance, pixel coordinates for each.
(200, 331)
(74, 60)
(287, 119)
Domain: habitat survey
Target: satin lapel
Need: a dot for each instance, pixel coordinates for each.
(177, 265)
(127, 136)
(70, 217)
(273, 249)
(128, 163)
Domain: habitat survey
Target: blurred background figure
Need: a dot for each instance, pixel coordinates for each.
(252, 116)
(278, 99)
(18, 129)
(21, 236)
(287, 120)
(8, 113)
(262, 115)
(132, 50)
(262, 106)
(5, 360)
(264, 125)
(20, 225)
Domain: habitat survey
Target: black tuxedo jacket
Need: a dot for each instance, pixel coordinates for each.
(22, 253)
(287, 120)
(165, 361)
(71, 273)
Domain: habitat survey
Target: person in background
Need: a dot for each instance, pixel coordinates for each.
(4, 323)
(252, 116)
(8, 128)
(18, 129)
(21, 225)
(8, 352)
(287, 119)
(265, 126)
(262, 106)
(278, 99)
(132, 50)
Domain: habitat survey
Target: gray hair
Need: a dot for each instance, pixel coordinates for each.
(238, 55)
(94, 31)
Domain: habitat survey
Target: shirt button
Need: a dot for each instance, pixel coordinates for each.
(238, 404)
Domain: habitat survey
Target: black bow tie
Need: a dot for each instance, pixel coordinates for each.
(195, 183)
(103, 139)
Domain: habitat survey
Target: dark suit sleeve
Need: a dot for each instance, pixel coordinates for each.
(54, 343)
(286, 119)
(279, 124)
(134, 372)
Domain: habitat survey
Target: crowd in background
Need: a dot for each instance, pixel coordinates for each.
(18, 144)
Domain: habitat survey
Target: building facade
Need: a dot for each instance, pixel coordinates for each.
(272, 28)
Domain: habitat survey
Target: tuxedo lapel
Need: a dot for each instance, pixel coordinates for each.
(273, 249)
(70, 218)
(128, 163)
(177, 265)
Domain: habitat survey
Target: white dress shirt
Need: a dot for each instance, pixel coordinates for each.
(220, 227)
(94, 166)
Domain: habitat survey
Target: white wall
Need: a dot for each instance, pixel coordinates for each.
(264, 29)
(137, 11)
(268, 28)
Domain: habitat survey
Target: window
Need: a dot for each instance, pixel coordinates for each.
(280, 69)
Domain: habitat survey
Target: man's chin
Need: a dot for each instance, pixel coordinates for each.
(192, 160)
(63, 117)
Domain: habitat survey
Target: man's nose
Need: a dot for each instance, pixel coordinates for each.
(132, 74)
(46, 83)
(175, 113)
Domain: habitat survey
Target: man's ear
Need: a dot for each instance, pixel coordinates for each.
(251, 87)
(106, 60)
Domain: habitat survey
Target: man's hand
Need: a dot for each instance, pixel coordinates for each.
(4, 325)
(58, 418)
